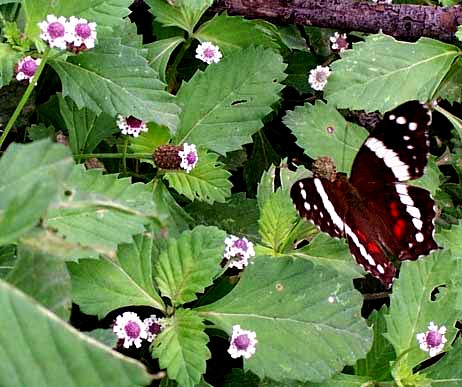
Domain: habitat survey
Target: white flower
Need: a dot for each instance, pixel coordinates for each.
(54, 31)
(81, 32)
(154, 325)
(131, 125)
(433, 340)
(130, 328)
(208, 53)
(318, 77)
(189, 157)
(238, 251)
(26, 68)
(242, 343)
(339, 42)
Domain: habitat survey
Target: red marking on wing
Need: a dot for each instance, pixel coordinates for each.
(399, 228)
(361, 235)
(394, 209)
(373, 248)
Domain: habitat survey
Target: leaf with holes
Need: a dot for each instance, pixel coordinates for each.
(190, 263)
(40, 350)
(309, 306)
(223, 107)
(182, 348)
(207, 182)
(368, 76)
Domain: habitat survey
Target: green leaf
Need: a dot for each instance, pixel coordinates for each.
(183, 14)
(292, 37)
(223, 107)
(447, 371)
(8, 58)
(99, 286)
(40, 132)
(294, 305)
(451, 239)
(29, 179)
(450, 88)
(116, 79)
(86, 129)
(232, 33)
(300, 64)
(207, 182)
(182, 348)
(108, 14)
(40, 350)
(190, 263)
(369, 76)
(7, 259)
(43, 278)
(310, 124)
(432, 178)
(414, 302)
(150, 140)
(159, 53)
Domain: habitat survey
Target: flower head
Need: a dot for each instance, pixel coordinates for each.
(208, 53)
(189, 157)
(130, 328)
(131, 125)
(433, 340)
(238, 251)
(154, 325)
(318, 77)
(339, 42)
(242, 343)
(82, 34)
(54, 31)
(26, 67)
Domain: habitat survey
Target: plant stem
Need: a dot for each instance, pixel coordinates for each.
(172, 71)
(124, 155)
(25, 97)
(114, 156)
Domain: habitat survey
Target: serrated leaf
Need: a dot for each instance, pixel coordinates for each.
(369, 75)
(292, 37)
(159, 53)
(309, 306)
(447, 371)
(116, 79)
(100, 286)
(40, 350)
(310, 124)
(207, 182)
(450, 88)
(431, 180)
(183, 14)
(223, 107)
(298, 69)
(190, 263)
(43, 278)
(451, 239)
(232, 33)
(8, 58)
(182, 348)
(414, 304)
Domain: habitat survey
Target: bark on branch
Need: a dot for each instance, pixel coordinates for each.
(403, 21)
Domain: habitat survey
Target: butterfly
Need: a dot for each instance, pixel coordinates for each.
(378, 213)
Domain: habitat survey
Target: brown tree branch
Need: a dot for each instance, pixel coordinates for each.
(403, 21)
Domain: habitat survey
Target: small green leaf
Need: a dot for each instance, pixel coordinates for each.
(447, 371)
(293, 305)
(40, 350)
(450, 88)
(300, 63)
(432, 178)
(322, 131)
(190, 263)
(222, 108)
(150, 140)
(159, 53)
(208, 181)
(451, 239)
(182, 348)
(8, 58)
(7, 259)
(369, 75)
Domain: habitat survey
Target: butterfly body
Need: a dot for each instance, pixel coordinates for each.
(375, 210)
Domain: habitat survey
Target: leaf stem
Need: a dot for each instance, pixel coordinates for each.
(172, 71)
(124, 155)
(25, 97)
(114, 155)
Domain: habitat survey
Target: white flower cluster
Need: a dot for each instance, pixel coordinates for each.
(189, 157)
(26, 68)
(129, 328)
(242, 343)
(433, 340)
(238, 251)
(131, 125)
(318, 77)
(209, 53)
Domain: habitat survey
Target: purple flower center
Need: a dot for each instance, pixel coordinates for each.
(191, 158)
(55, 30)
(132, 329)
(209, 53)
(134, 122)
(155, 328)
(434, 339)
(241, 342)
(83, 30)
(29, 67)
(240, 244)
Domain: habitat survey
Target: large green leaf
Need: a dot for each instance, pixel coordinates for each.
(322, 131)
(382, 73)
(38, 349)
(116, 79)
(159, 53)
(425, 291)
(207, 182)
(447, 372)
(223, 107)
(190, 263)
(182, 348)
(450, 88)
(43, 278)
(294, 305)
(8, 58)
(99, 286)
(29, 179)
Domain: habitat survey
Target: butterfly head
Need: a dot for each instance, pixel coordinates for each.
(324, 167)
